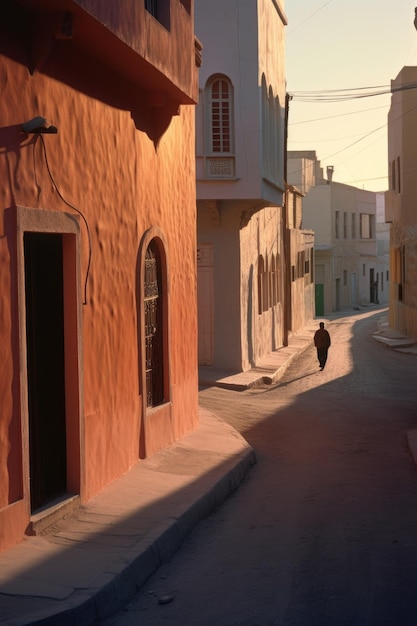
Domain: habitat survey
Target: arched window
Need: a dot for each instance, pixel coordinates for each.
(265, 126)
(278, 277)
(274, 286)
(220, 114)
(260, 283)
(154, 326)
(266, 294)
(272, 135)
(219, 126)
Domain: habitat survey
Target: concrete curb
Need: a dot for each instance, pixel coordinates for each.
(267, 372)
(114, 589)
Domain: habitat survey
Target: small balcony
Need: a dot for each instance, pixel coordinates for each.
(151, 43)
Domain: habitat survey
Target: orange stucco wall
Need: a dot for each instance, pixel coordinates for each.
(124, 185)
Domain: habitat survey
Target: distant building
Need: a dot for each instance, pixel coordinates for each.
(350, 265)
(383, 250)
(98, 315)
(400, 202)
(300, 254)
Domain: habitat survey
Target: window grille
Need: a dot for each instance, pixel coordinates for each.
(220, 116)
(153, 327)
(219, 128)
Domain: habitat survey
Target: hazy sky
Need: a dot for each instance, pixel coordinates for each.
(336, 45)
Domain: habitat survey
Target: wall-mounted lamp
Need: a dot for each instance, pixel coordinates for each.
(39, 125)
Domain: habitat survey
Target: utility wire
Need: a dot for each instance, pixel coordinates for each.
(342, 95)
(330, 117)
(309, 17)
(75, 209)
(401, 88)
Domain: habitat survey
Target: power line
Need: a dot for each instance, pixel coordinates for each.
(342, 95)
(350, 94)
(309, 17)
(330, 117)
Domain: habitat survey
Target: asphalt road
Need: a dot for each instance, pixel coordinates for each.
(323, 532)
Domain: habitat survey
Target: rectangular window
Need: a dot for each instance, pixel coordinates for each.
(344, 278)
(353, 225)
(187, 5)
(345, 225)
(294, 211)
(300, 264)
(312, 264)
(393, 177)
(152, 7)
(337, 224)
(363, 269)
(160, 10)
(398, 175)
(365, 226)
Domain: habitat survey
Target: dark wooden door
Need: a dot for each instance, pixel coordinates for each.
(45, 366)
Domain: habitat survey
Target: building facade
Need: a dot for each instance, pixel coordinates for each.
(350, 269)
(400, 202)
(98, 315)
(240, 131)
(300, 254)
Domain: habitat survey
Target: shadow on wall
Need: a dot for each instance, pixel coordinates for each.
(250, 317)
(62, 61)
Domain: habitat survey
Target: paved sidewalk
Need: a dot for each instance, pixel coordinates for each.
(90, 564)
(266, 372)
(394, 339)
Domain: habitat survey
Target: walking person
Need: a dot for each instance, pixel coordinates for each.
(322, 343)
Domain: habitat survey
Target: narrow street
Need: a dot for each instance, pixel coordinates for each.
(323, 532)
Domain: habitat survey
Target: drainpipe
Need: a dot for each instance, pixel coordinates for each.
(286, 233)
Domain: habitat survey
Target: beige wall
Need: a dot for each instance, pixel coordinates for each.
(302, 281)
(241, 216)
(263, 235)
(401, 203)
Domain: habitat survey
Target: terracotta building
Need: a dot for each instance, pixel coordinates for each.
(240, 182)
(98, 311)
(400, 202)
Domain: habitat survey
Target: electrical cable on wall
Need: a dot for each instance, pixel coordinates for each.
(71, 206)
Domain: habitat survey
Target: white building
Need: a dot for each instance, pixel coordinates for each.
(351, 262)
(240, 129)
